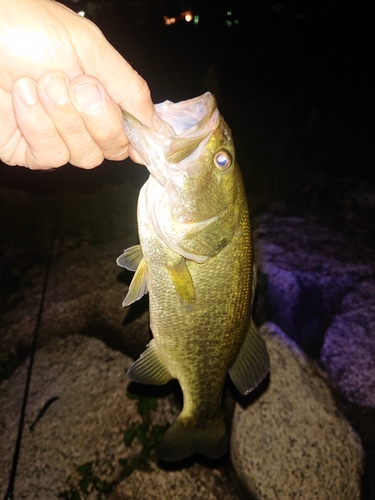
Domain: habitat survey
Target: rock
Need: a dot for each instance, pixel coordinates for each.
(85, 286)
(308, 278)
(76, 417)
(292, 442)
(87, 382)
(195, 482)
(348, 352)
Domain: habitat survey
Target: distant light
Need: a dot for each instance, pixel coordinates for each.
(169, 20)
(228, 23)
(196, 19)
(236, 21)
(187, 15)
(81, 13)
(229, 13)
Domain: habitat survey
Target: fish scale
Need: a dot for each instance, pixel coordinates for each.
(195, 259)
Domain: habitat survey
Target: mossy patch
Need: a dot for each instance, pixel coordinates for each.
(85, 481)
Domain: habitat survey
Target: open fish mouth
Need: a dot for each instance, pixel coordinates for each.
(186, 126)
(186, 117)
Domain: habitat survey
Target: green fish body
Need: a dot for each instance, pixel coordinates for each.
(195, 259)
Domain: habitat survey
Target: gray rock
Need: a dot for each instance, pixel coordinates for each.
(85, 423)
(348, 353)
(308, 277)
(195, 482)
(292, 442)
(84, 294)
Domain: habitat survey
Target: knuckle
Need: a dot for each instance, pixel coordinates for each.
(118, 156)
(91, 160)
(9, 146)
(47, 158)
(111, 138)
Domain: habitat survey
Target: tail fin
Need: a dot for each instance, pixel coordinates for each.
(184, 438)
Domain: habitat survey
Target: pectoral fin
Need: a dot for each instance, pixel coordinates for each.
(138, 286)
(252, 363)
(131, 258)
(149, 369)
(182, 281)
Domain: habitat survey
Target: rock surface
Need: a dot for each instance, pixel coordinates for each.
(348, 352)
(292, 438)
(318, 287)
(82, 385)
(195, 482)
(292, 443)
(83, 422)
(84, 290)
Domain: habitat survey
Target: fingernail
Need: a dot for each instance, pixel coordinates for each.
(27, 91)
(88, 97)
(57, 90)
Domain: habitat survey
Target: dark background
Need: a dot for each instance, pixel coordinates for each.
(292, 79)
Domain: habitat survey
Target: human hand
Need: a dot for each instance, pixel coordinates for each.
(53, 108)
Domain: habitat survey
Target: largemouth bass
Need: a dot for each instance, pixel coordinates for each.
(195, 259)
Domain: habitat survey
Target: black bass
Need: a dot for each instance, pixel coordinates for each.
(195, 259)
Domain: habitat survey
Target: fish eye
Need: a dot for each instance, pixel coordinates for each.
(223, 160)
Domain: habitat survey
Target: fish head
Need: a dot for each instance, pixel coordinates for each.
(192, 156)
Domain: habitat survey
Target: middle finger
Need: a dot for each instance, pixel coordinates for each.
(53, 94)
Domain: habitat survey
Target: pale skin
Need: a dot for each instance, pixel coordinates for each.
(62, 88)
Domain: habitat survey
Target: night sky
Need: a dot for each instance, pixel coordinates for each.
(303, 58)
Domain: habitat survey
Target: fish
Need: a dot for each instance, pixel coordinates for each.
(195, 259)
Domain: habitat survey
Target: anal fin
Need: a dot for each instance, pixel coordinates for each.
(252, 363)
(149, 369)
